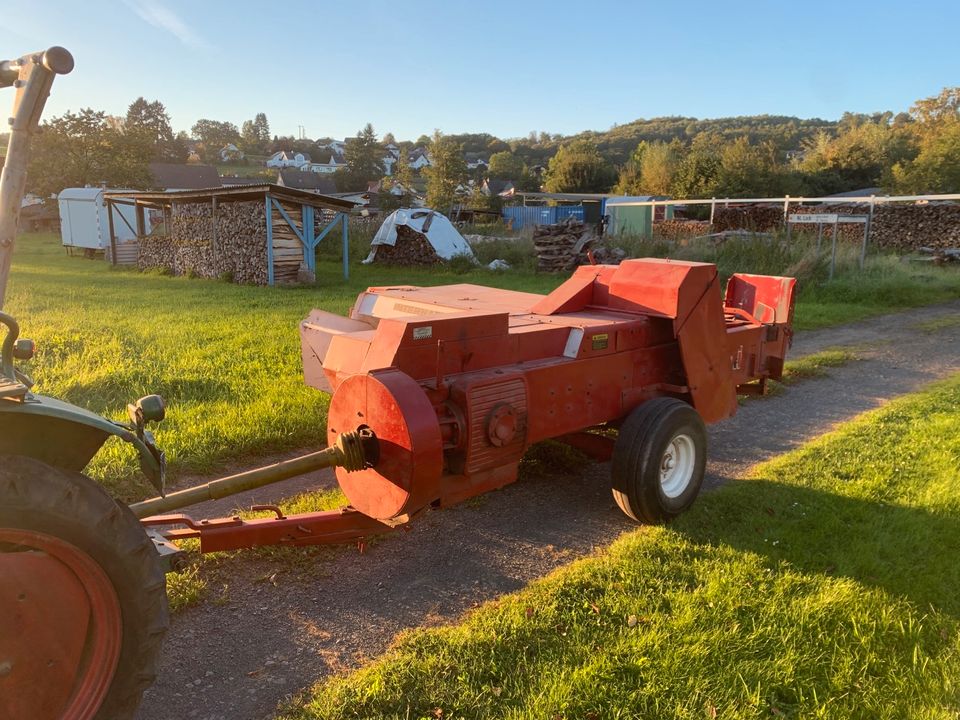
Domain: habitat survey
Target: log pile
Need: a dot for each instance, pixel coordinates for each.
(676, 230)
(234, 244)
(562, 246)
(757, 218)
(898, 227)
(411, 248)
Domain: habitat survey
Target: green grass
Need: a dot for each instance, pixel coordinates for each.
(938, 324)
(822, 587)
(227, 357)
(817, 364)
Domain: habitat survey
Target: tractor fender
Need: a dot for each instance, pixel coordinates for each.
(67, 436)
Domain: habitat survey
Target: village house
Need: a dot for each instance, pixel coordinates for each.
(288, 158)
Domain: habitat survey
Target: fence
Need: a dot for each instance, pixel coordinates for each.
(522, 216)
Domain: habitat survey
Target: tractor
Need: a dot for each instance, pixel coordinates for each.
(436, 394)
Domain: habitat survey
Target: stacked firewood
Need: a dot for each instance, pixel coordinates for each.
(680, 229)
(562, 246)
(411, 248)
(900, 227)
(234, 246)
(911, 227)
(758, 218)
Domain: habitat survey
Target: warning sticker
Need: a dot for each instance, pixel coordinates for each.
(422, 333)
(600, 341)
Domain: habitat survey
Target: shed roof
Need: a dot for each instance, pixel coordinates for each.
(232, 194)
(292, 178)
(181, 176)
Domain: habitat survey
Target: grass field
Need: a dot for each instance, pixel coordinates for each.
(822, 587)
(227, 357)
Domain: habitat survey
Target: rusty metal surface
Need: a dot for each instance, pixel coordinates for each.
(61, 620)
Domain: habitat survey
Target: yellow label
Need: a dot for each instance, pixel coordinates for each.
(600, 341)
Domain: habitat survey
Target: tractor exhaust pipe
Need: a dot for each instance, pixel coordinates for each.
(353, 451)
(32, 76)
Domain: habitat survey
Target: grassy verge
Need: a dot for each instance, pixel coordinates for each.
(227, 357)
(824, 586)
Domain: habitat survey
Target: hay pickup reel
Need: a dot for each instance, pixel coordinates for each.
(437, 393)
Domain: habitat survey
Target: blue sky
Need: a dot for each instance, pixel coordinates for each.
(501, 67)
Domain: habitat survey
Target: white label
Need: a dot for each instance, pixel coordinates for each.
(822, 218)
(422, 333)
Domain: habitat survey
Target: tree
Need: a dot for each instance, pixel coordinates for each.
(79, 149)
(579, 167)
(745, 169)
(651, 169)
(446, 171)
(151, 119)
(423, 141)
(364, 157)
(505, 166)
(389, 139)
(213, 135)
(936, 169)
(698, 172)
(403, 173)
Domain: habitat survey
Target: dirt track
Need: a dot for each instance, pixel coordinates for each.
(264, 640)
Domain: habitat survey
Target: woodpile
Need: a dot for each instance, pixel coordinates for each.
(234, 244)
(756, 218)
(411, 248)
(678, 230)
(227, 242)
(563, 246)
(904, 227)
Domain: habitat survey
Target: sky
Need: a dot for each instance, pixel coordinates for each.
(506, 68)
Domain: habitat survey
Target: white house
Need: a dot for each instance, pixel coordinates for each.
(335, 163)
(231, 153)
(288, 158)
(418, 159)
(393, 150)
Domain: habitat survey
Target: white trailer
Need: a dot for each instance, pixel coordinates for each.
(84, 223)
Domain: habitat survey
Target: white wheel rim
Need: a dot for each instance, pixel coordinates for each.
(676, 465)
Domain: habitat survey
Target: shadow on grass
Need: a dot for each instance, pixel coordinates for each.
(906, 551)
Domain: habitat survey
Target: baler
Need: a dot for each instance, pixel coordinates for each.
(437, 393)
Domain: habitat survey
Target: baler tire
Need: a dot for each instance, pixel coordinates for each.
(639, 454)
(36, 497)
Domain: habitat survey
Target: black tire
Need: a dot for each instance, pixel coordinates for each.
(640, 450)
(35, 496)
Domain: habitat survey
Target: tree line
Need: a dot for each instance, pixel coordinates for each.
(909, 152)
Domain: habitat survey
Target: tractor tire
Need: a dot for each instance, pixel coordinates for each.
(659, 461)
(66, 544)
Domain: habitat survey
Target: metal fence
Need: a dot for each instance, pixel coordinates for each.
(522, 216)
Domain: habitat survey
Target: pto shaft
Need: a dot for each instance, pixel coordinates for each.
(352, 451)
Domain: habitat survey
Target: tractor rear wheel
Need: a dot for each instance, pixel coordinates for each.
(659, 460)
(84, 596)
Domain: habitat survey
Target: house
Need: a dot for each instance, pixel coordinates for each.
(497, 188)
(388, 161)
(476, 160)
(299, 180)
(393, 150)
(418, 159)
(182, 176)
(231, 153)
(288, 158)
(335, 163)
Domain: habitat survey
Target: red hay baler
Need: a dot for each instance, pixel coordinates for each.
(457, 382)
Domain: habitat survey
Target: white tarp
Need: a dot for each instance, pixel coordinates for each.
(443, 236)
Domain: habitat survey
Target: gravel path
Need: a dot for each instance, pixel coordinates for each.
(285, 621)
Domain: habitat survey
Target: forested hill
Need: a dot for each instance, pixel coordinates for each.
(617, 143)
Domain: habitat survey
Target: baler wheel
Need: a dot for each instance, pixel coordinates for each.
(659, 460)
(82, 598)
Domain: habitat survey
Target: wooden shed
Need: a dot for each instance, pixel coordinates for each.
(260, 233)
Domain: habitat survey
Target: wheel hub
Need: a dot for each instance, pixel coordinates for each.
(677, 465)
(60, 657)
